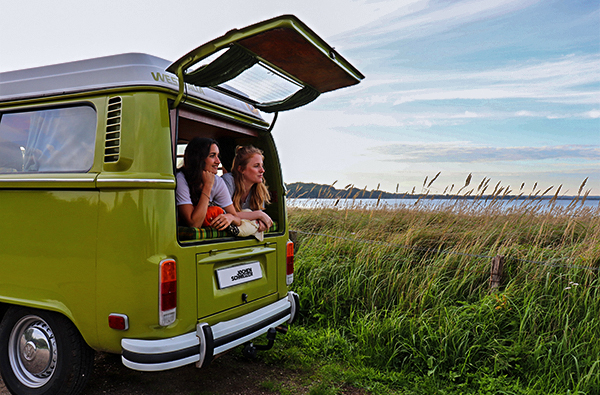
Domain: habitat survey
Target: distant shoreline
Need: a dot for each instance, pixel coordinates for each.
(299, 190)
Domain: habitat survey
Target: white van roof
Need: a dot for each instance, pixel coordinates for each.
(130, 69)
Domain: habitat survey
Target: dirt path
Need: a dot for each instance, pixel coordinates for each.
(228, 375)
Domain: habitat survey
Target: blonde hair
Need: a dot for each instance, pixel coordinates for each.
(259, 192)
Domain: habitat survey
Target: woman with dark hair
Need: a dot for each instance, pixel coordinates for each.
(199, 187)
(247, 186)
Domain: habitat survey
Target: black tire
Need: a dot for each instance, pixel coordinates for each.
(42, 353)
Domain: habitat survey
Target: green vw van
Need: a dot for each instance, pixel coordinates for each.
(92, 257)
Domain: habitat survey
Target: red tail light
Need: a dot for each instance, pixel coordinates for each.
(118, 321)
(168, 292)
(289, 278)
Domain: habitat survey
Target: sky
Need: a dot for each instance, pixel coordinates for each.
(506, 91)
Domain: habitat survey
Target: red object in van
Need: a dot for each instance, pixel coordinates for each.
(211, 213)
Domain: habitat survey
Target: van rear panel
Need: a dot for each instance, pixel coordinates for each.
(233, 277)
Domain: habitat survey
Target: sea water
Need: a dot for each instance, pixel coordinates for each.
(458, 203)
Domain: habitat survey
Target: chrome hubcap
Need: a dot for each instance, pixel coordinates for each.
(32, 351)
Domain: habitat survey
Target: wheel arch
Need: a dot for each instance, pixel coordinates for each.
(57, 307)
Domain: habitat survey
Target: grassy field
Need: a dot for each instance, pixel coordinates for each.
(399, 301)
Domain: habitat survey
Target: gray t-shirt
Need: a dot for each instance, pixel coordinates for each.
(230, 183)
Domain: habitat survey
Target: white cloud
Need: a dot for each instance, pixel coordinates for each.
(593, 114)
(464, 152)
(525, 114)
(422, 18)
(535, 82)
(370, 100)
(467, 114)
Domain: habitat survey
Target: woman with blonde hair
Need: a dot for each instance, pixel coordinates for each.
(247, 186)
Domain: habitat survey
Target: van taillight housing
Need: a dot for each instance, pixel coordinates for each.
(167, 298)
(289, 263)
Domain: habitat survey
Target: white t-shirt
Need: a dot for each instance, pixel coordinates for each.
(219, 194)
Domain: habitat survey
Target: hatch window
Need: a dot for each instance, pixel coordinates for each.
(252, 79)
(48, 140)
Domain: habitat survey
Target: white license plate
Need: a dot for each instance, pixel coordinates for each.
(230, 276)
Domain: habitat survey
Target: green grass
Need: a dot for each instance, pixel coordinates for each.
(398, 301)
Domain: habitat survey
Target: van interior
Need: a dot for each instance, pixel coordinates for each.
(229, 134)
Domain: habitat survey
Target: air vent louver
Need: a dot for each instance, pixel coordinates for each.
(112, 144)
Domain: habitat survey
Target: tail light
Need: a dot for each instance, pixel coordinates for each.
(118, 321)
(168, 292)
(289, 261)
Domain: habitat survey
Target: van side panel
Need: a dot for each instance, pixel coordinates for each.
(48, 252)
(48, 231)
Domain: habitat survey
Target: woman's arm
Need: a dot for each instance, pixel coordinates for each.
(194, 215)
(257, 214)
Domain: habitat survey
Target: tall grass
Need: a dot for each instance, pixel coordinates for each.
(409, 290)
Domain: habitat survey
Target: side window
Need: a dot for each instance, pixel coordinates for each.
(48, 140)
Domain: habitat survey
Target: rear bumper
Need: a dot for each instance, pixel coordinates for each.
(207, 341)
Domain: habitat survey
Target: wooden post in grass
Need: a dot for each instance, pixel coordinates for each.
(496, 272)
(294, 239)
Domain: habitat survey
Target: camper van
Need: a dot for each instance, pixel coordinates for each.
(93, 257)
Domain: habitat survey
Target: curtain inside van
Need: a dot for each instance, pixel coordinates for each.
(51, 140)
(61, 140)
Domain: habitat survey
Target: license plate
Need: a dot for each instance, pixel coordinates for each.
(230, 276)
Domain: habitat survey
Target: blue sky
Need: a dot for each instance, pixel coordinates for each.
(505, 89)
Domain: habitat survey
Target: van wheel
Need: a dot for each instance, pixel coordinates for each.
(42, 353)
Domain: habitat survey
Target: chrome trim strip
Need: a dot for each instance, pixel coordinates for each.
(136, 180)
(69, 180)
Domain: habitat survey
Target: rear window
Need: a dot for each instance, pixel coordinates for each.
(229, 135)
(48, 140)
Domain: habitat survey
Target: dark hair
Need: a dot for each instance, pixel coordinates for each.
(194, 158)
(227, 152)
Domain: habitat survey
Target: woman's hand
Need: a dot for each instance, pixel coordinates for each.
(261, 226)
(264, 219)
(208, 179)
(222, 221)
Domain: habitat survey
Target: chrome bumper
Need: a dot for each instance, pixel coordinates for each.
(207, 341)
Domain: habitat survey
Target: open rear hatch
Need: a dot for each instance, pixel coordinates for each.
(275, 65)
